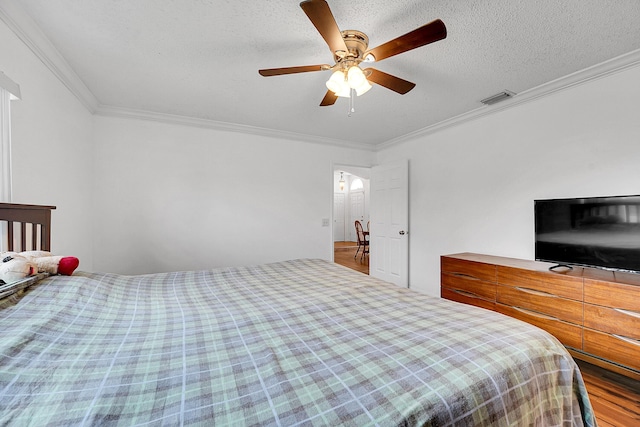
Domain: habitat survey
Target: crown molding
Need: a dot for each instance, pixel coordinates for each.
(32, 36)
(598, 71)
(108, 111)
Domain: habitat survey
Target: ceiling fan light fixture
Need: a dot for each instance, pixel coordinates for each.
(344, 92)
(336, 82)
(355, 77)
(341, 82)
(363, 88)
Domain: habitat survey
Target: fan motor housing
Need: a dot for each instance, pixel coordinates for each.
(357, 42)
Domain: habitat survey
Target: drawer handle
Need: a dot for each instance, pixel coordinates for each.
(628, 313)
(627, 340)
(535, 314)
(536, 292)
(470, 295)
(467, 276)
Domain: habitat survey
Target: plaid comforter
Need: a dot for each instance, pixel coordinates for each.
(303, 342)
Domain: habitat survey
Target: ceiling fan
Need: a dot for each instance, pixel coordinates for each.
(350, 48)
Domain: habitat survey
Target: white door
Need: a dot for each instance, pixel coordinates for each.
(356, 208)
(389, 240)
(338, 217)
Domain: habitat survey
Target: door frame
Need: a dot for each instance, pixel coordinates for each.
(334, 223)
(338, 167)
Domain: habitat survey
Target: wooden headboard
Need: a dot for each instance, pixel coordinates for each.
(25, 227)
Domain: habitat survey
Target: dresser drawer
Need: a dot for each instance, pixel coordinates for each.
(467, 298)
(552, 283)
(611, 294)
(568, 333)
(477, 287)
(618, 349)
(470, 269)
(541, 302)
(612, 320)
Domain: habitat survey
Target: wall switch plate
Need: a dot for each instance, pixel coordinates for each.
(325, 222)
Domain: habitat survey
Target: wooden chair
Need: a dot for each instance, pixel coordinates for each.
(363, 242)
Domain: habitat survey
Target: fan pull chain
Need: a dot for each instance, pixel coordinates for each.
(352, 106)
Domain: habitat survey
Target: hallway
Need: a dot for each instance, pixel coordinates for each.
(343, 254)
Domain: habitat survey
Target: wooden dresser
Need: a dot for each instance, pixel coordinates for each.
(594, 313)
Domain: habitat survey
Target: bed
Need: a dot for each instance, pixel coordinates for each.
(300, 342)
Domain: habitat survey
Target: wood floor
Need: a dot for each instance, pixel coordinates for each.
(615, 398)
(344, 253)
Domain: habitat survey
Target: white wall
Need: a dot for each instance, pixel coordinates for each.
(172, 197)
(472, 186)
(51, 148)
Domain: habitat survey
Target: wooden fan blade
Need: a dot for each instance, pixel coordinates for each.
(329, 99)
(428, 33)
(394, 83)
(292, 70)
(320, 15)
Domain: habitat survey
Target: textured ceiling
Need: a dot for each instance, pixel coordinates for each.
(200, 58)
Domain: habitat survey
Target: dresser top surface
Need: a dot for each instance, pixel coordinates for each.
(541, 266)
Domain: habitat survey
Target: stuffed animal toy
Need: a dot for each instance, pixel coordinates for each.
(16, 266)
(52, 264)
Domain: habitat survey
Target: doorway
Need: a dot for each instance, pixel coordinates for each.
(351, 202)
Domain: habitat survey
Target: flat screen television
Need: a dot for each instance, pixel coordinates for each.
(599, 232)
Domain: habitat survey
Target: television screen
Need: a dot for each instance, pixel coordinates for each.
(596, 231)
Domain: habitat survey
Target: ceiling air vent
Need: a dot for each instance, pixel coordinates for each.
(498, 97)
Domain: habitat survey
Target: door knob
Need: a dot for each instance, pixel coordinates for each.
(402, 232)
